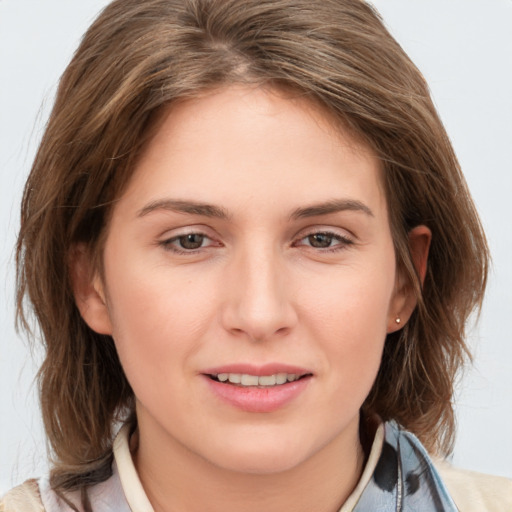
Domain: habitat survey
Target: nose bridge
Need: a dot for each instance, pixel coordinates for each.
(258, 302)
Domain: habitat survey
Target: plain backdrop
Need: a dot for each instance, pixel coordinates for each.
(463, 47)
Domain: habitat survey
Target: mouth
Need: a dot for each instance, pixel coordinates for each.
(246, 380)
(258, 388)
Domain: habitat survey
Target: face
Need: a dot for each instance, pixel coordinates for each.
(249, 281)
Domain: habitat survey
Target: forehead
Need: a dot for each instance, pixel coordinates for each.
(241, 142)
(246, 109)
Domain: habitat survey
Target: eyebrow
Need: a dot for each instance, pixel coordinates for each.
(191, 207)
(332, 206)
(209, 210)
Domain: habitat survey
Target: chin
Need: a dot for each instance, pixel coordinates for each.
(261, 463)
(259, 456)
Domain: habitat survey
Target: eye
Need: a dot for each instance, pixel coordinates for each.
(325, 240)
(320, 240)
(191, 241)
(187, 242)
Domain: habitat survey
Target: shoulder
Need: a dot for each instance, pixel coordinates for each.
(474, 491)
(23, 498)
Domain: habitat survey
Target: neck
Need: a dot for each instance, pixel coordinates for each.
(176, 480)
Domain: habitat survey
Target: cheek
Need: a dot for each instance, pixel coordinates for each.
(352, 299)
(158, 319)
(349, 320)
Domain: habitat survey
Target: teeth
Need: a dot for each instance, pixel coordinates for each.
(234, 378)
(269, 380)
(249, 380)
(281, 378)
(244, 379)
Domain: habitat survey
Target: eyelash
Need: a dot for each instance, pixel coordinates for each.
(344, 242)
(168, 243)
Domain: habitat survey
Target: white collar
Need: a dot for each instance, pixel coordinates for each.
(139, 502)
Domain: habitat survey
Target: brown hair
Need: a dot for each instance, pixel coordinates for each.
(139, 57)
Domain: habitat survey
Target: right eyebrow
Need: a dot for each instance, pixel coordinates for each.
(179, 206)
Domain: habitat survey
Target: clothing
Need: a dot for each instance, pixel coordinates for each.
(399, 476)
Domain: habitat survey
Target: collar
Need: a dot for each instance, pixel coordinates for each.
(399, 476)
(138, 500)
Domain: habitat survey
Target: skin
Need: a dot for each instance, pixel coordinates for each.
(258, 290)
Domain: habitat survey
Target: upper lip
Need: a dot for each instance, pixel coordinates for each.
(251, 369)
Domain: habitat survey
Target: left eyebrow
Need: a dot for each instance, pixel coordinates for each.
(333, 206)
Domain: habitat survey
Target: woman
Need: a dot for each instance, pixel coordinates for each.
(262, 223)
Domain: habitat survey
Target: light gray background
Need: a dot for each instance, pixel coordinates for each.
(464, 48)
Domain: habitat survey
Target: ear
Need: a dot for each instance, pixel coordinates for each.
(89, 291)
(404, 299)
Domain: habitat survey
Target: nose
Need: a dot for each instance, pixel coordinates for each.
(258, 301)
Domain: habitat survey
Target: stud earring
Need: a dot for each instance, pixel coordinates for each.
(398, 320)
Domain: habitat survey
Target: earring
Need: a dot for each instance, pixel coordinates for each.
(398, 320)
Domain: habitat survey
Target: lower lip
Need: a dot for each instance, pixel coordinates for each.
(258, 399)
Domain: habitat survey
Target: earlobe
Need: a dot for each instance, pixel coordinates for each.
(404, 300)
(88, 291)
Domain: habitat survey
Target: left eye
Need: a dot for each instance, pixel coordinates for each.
(325, 240)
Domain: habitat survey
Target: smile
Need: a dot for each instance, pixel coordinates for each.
(264, 381)
(258, 389)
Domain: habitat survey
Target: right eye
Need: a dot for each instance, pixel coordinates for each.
(186, 243)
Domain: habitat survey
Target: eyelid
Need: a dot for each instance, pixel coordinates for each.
(331, 230)
(187, 229)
